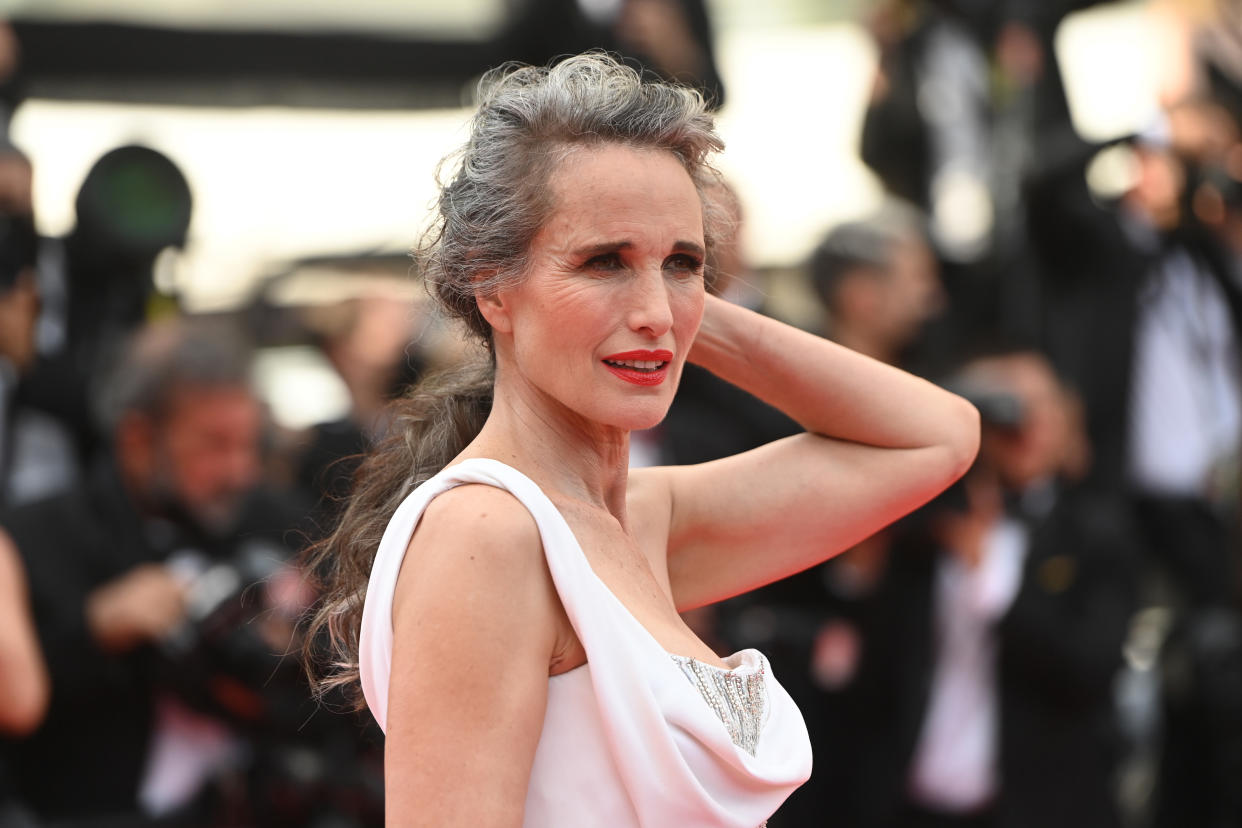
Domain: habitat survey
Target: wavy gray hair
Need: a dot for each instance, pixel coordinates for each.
(529, 120)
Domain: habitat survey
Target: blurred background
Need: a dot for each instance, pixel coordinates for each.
(206, 301)
(312, 130)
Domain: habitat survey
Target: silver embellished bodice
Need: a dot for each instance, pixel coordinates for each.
(737, 695)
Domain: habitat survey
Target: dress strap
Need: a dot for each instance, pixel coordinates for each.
(376, 634)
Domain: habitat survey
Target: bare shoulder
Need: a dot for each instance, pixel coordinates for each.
(476, 629)
(474, 536)
(476, 512)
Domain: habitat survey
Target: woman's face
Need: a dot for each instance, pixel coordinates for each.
(612, 301)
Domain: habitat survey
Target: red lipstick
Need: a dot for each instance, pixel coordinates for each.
(640, 367)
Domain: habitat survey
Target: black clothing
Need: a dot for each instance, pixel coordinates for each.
(1059, 647)
(7, 794)
(1060, 650)
(88, 756)
(1007, 129)
(325, 470)
(1095, 262)
(711, 418)
(915, 817)
(542, 30)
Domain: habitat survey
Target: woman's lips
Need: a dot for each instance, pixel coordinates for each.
(640, 367)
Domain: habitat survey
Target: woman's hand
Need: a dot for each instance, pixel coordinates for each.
(880, 442)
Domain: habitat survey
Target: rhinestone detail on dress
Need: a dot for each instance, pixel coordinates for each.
(737, 696)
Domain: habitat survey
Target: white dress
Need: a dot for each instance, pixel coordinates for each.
(636, 736)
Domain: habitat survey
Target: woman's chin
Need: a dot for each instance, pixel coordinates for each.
(639, 419)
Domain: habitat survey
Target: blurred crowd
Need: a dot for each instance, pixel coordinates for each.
(1056, 640)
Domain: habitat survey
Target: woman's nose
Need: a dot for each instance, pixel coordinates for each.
(650, 309)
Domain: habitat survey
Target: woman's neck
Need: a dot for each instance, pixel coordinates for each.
(560, 450)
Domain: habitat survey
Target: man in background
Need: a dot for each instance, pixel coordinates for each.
(997, 633)
(112, 567)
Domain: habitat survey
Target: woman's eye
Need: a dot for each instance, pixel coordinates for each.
(604, 261)
(684, 264)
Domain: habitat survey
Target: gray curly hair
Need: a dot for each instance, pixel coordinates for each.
(528, 121)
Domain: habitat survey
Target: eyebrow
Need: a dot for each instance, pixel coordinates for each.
(680, 246)
(604, 247)
(690, 247)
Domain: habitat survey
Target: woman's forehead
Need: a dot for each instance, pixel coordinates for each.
(617, 164)
(620, 185)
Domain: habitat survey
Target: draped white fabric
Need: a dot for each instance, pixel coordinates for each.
(627, 740)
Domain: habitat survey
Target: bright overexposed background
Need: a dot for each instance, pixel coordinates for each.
(274, 184)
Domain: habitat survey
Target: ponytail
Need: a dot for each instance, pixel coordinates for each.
(430, 426)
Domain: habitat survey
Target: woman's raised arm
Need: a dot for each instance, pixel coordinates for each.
(880, 442)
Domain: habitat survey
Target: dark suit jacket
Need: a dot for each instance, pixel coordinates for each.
(1059, 648)
(541, 30)
(711, 418)
(89, 755)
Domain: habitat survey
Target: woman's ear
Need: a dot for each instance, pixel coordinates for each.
(495, 309)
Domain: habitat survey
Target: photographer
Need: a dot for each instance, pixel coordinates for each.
(998, 629)
(181, 473)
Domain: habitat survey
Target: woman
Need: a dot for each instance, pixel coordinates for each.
(520, 641)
